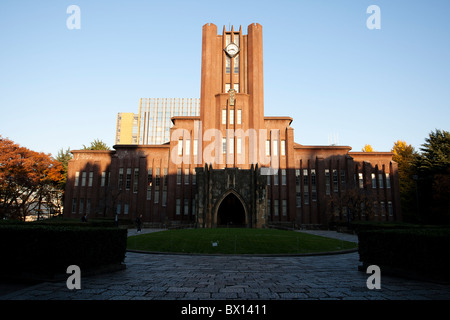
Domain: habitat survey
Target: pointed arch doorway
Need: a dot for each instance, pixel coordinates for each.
(231, 212)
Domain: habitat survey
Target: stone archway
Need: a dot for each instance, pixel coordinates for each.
(231, 211)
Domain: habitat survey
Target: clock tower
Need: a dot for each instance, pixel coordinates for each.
(231, 97)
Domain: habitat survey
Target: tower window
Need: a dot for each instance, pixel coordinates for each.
(224, 116)
(236, 64)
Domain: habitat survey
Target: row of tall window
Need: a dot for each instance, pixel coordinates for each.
(230, 118)
(187, 209)
(275, 209)
(379, 208)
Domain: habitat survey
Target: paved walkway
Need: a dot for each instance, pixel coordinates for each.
(174, 277)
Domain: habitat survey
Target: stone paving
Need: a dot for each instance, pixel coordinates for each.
(215, 277)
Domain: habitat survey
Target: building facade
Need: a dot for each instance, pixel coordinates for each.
(231, 165)
(127, 128)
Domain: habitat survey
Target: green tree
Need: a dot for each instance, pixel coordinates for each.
(433, 177)
(97, 144)
(63, 157)
(405, 156)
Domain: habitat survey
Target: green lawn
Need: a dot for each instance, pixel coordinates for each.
(235, 241)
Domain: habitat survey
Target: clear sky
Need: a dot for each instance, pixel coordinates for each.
(339, 80)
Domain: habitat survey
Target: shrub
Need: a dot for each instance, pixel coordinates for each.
(43, 249)
(423, 251)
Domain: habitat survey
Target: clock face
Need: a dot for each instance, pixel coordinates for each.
(232, 50)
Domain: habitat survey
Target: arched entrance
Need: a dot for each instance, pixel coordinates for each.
(231, 212)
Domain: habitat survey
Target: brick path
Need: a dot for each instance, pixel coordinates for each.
(174, 277)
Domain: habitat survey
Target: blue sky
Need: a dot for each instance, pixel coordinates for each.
(62, 88)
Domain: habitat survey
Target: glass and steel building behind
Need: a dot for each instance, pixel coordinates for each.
(155, 115)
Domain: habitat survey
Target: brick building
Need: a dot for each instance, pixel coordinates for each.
(231, 165)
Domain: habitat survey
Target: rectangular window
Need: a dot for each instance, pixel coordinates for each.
(283, 147)
(81, 206)
(284, 207)
(195, 147)
(186, 176)
(361, 180)
(275, 147)
(236, 64)
(149, 183)
(298, 197)
(224, 116)
(224, 145)
(83, 178)
(120, 178)
(239, 145)
(180, 147)
(275, 177)
(136, 180)
(165, 178)
(313, 185)
(227, 64)
(380, 180)
(91, 178)
(118, 208)
(231, 116)
(305, 186)
(77, 178)
(231, 145)
(383, 208)
(227, 39)
(103, 179)
(269, 207)
(178, 207)
(283, 177)
(157, 184)
(327, 182)
(343, 180)
(375, 208)
(335, 181)
(276, 207)
(186, 207)
(125, 208)
(374, 181)
(74, 205)
(267, 147)
(128, 181)
(194, 177)
(388, 181)
(179, 176)
(88, 206)
(164, 198)
(239, 116)
(390, 209)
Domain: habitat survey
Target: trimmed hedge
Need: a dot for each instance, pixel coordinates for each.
(49, 250)
(422, 251)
